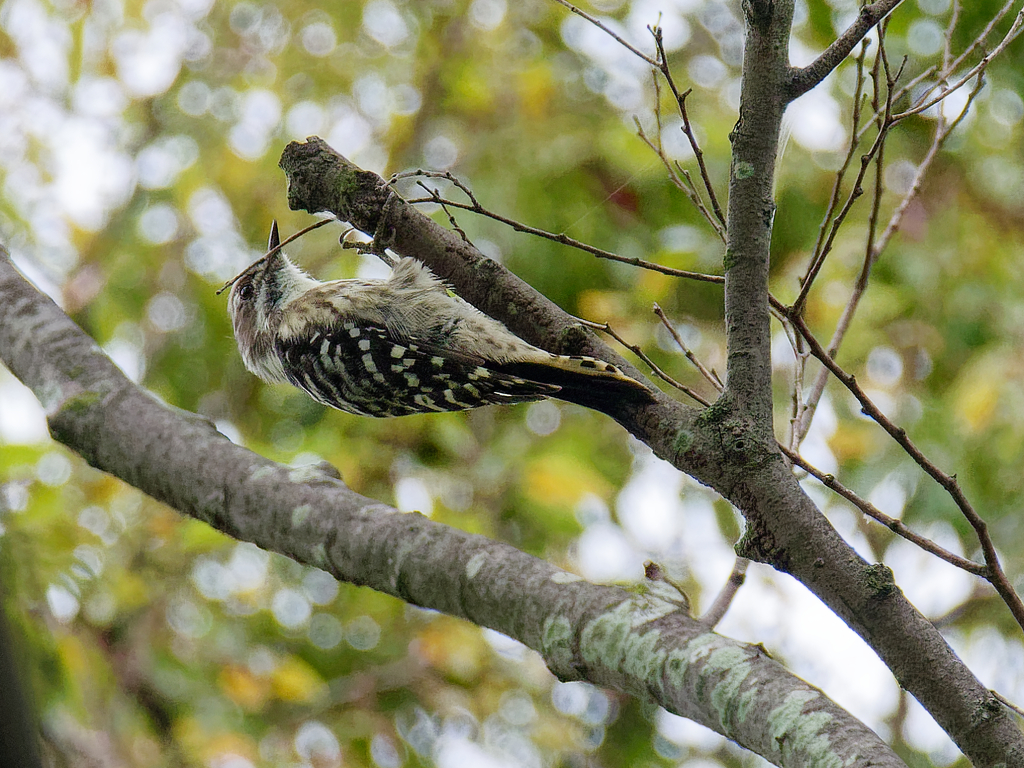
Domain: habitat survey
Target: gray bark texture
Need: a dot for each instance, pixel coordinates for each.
(723, 446)
(646, 644)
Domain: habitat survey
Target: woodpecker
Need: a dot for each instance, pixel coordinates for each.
(405, 344)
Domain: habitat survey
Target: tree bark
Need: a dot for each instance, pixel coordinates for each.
(645, 644)
(721, 447)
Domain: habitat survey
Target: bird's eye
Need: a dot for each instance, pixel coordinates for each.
(245, 291)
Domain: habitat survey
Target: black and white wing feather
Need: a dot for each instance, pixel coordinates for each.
(364, 369)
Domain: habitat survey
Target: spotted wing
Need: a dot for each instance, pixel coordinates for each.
(364, 369)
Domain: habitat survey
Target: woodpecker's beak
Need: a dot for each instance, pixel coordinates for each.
(275, 238)
(273, 248)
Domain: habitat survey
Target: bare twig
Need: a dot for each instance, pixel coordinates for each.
(803, 80)
(893, 524)
(942, 74)
(841, 173)
(942, 133)
(562, 238)
(799, 405)
(994, 572)
(710, 375)
(1008, 703)
(979, 40)
(277, 248)
(606, 328)
(660, 63)
(732, 585)
(677, 177)
(680, 98)
(947, 46)
(837, 222)
(924, 102)
(444, 207)
(884, 122)
(604, 28)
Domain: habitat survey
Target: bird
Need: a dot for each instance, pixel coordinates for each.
(401, 345)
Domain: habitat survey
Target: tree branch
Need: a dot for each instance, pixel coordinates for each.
(994, 571)
(644, 645)
(803, 80)
(474, 206)
(978, 69)
(751, 211)
(895, 525)
(784, 528)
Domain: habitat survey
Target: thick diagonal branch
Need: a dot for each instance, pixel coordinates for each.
(647, 645)
(715, 446)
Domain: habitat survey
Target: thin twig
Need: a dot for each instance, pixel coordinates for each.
(943, 131)
(687, 187)
(872, 254)
(979, 40)
(275, 249)
(680, 98)
(561, 238)
(449, 214)
(925, 103)
(661, 64)
(606, 328)
(799, 405)
(947, 46)
(994, 571)
(1008, 703)
(732, 585)
(850, 152)
(710, 375)
(597, 23)
(884, 123)
(803, 80)
(942, 75)
(893, 524)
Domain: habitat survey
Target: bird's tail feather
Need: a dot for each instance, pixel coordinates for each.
(585, 381)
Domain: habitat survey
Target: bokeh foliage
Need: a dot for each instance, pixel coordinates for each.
(139, 157)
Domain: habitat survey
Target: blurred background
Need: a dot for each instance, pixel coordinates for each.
(138, 155)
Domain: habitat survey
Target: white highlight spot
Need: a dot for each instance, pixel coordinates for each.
(412, 495)
(63, 605)
(475, 564)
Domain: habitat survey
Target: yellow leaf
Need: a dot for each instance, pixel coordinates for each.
(223, 745)
(655, 285)
(131, 591)
(74, 656)
(977, 400)
(196, 536)
(536, 87)
(852, 441)
(600, 306)
(454, 647)
(471, 91)
(163, 523)
(244, 688)
(296, 681)
(189, 732)
(562, 480)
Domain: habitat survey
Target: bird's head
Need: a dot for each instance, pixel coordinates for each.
(258, 295)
